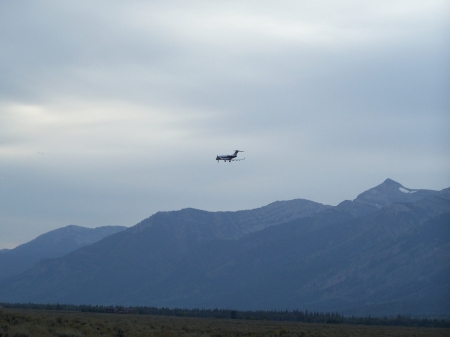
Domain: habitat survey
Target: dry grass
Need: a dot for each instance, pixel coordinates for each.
(37, 323)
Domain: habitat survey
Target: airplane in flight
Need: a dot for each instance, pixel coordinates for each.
(229, 157)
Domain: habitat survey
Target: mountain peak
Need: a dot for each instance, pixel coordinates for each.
(389, 192)
(391, 182)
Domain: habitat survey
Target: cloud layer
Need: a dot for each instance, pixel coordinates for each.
(111, 111)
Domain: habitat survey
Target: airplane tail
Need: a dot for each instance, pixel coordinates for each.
(236, 152)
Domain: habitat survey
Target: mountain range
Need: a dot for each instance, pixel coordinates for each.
(53, 244)
(385, 252)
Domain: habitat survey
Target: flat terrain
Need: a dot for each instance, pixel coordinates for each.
(36, 323)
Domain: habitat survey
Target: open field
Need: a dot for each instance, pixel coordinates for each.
(36, 323)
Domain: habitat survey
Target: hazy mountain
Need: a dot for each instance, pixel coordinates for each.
(390, 261)
(148, 250)
(382, 195)
(201, 225)
(53, 244)
(383, 253)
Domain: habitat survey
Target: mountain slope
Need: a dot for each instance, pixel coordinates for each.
(148, 251)
(396, 256)
(371, 254)
(201, 225)
(53, 244)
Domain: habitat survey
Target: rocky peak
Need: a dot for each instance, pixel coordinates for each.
(391, 191)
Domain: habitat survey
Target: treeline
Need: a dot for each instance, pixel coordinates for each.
(272, 315)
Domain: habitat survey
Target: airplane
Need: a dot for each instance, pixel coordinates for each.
(229, 157)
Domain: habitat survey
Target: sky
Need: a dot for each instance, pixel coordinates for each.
(111, 111)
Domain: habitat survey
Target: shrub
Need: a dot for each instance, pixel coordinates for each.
(20, 332)
(69, 333)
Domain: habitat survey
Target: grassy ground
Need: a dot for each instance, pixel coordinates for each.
(36, 323)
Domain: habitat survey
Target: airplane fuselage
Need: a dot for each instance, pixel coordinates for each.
(225, 157)
(228, 157)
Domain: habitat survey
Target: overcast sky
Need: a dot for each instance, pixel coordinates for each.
(113, 110)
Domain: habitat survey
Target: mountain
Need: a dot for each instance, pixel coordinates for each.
(144, 252)
(382, 195)
(385, 252)
(53, 244)
(391, 261)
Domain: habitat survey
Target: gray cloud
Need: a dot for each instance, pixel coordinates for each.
(110, 112)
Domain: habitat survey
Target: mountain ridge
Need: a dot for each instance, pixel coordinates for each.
(320, 300)
(53, 244)
(329, 258)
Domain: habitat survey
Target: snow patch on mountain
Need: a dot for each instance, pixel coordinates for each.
(404, 190)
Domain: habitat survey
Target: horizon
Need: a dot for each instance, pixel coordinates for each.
(176, 210)
(111, 112)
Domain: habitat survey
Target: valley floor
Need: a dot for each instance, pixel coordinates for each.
(37, 323)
